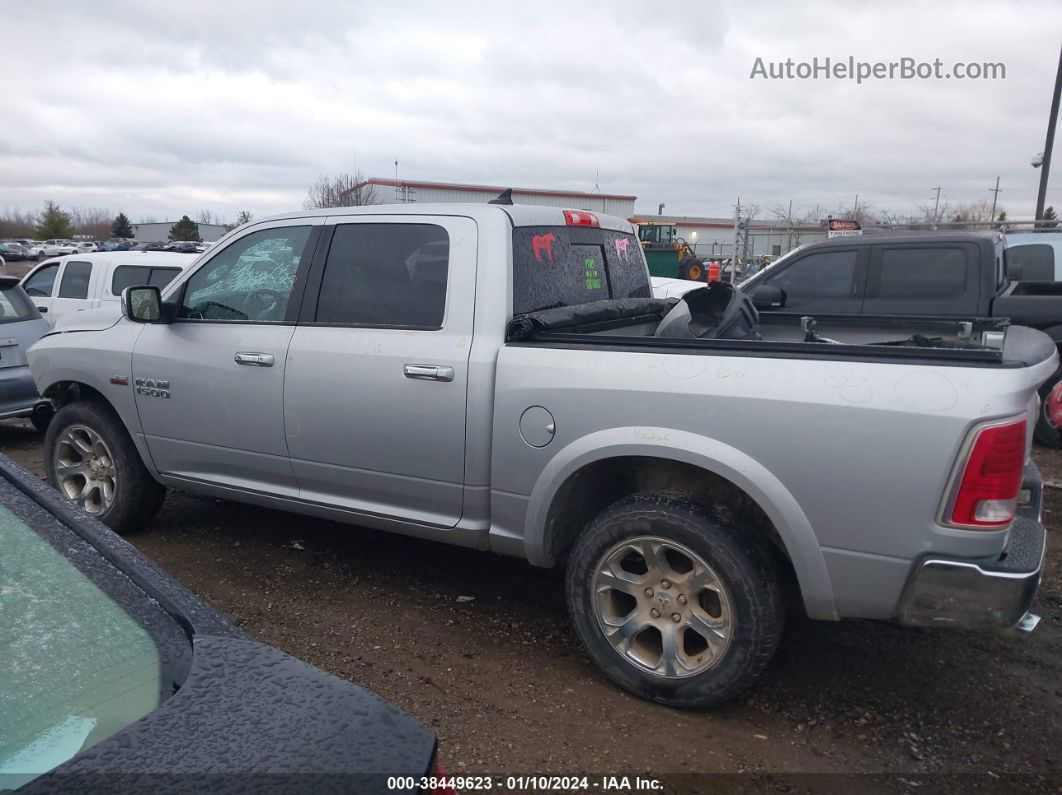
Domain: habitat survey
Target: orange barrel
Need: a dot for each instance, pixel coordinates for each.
(713, 272)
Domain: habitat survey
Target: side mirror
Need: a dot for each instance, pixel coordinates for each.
(767, 296)
(142, 304)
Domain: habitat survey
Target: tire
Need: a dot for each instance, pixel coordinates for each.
(88, 436)
(745, 602)
(1046, 433)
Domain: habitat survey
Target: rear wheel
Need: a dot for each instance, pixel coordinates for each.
(673, 600)
(91, 460)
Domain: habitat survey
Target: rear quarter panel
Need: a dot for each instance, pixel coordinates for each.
(849, 459)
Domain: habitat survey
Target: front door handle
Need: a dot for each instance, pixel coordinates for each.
(255, 359)
(42, 309)
(428, 372)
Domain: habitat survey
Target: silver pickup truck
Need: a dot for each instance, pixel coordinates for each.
(500, 377)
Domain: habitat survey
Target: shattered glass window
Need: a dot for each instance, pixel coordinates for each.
(251, 279)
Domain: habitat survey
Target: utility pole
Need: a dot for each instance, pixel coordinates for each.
(995, 198)
(1042, 196)
(789, 224)
(737, 240)
(660, 208)
(936, 205)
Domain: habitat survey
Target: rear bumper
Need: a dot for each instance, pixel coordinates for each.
(18, 393)
(981, 595)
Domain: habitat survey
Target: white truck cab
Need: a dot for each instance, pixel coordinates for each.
(86, 281)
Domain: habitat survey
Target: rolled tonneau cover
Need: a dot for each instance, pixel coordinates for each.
(570, 318)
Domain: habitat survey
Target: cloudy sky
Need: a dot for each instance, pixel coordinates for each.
(165, 108)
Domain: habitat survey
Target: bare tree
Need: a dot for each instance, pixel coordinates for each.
(815, 215)
(342, 190)
(94, 221)
(933, 213)
(15, 223)
(245, 217)
(208, 217)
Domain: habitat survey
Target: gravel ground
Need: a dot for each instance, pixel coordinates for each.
(502, 679)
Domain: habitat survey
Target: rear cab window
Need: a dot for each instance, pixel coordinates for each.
(557, 266)
(1031, 263)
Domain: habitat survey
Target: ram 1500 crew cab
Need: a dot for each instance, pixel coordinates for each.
(500, 377)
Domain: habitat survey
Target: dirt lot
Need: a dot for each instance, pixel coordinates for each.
(504, 682)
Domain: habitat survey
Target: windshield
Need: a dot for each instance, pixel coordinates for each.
(84, 651)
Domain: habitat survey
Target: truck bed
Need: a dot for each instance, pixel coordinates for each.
(959, 341)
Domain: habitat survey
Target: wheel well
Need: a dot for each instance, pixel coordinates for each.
(63, 392)
(593, 488)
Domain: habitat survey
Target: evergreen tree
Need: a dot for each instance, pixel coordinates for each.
(121, 226)
(54, 223)
(1049, 215)
(185, 229)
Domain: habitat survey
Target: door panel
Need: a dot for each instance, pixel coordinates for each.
(221, 422)
(73, 288)
(375, 416)
(210, 386)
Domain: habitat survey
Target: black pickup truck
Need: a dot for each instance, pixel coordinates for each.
(938, 276)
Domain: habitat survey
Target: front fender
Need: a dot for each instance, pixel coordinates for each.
(753, 478)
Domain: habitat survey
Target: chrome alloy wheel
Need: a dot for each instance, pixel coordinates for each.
(662, 607)
(84, 469)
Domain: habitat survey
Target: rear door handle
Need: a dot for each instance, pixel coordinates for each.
(42, 309)
(255, 359)
(428, 372)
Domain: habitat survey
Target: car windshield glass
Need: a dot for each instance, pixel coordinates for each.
(86, 653)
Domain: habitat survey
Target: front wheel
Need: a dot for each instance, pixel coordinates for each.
(92, 461)
(673, 600)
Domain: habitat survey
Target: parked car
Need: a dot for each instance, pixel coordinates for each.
(71, 284)
(20, 326)
(85, 247)
(500, 377)
(14, 252)
(949, 275)
(184, 246)
(33, 247)
(58, 248)
(1038, 255)
(114, 673)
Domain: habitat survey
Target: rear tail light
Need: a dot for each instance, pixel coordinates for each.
(580, 218)
(443, 778)
(1054, 406)
(987, 494)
